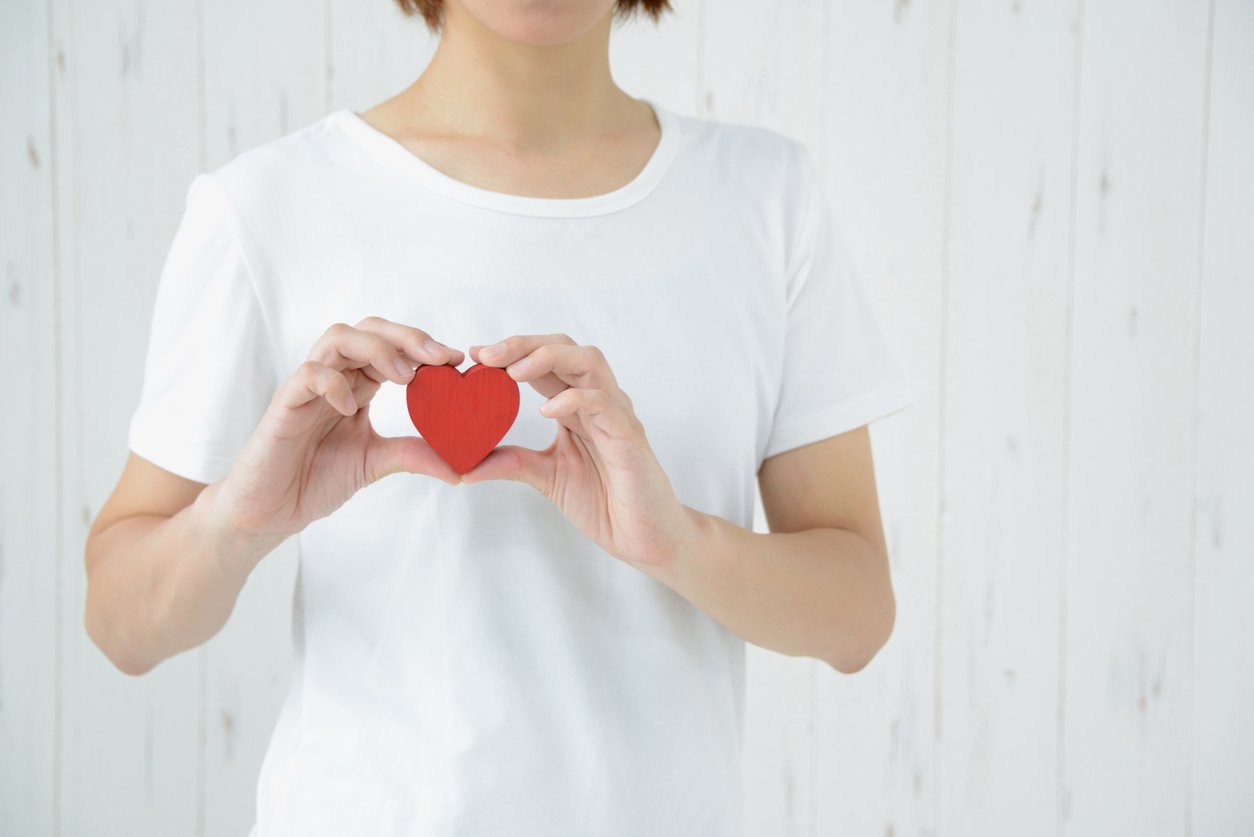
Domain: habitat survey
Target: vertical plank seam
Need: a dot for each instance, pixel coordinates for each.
(68, 357)
(811, 733)
(327, 67)
(202, 153)
(702, 108)
(68, 271)
(1068, 341)
(943, 362)
(1194, 442)
(813, 779)
(202, 652)
(58, 538)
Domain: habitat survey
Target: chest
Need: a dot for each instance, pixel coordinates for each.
(686, 308)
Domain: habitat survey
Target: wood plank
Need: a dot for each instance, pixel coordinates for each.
(1130, 468)
(955, 727)
(763, 67)
(373, 52)
(28, 452)
(1222, 723)
(127, 137)
(886, 122)
(1006, 322)
(252, 94)
(662, 62)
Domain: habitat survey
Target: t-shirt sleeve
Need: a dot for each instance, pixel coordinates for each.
(839, 372)
(208, 374)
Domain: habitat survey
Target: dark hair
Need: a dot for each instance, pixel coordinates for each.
(432, 11)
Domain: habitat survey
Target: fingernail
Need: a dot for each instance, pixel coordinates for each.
(436, 348)
(493, 350)
(402, 368)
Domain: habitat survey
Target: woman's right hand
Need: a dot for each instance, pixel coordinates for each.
(314, 446)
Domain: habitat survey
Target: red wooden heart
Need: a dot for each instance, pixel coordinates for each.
(462, 415)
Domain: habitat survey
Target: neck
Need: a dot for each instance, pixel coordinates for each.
(524, 96)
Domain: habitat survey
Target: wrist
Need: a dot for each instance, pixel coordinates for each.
(694, 539)
(235, 547)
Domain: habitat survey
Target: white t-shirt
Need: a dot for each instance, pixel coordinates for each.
(466, 662)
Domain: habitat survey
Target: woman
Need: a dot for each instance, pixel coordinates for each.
(553, 642)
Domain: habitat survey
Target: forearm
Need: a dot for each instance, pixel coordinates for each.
(161, 585)
(820, 593)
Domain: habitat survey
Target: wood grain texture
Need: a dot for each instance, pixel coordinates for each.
(372, 52)
(1221, 722)
(1005, 384)
(1130, 467)
(462, 414)
(126, 149)
(1051, 205)
(29, 290)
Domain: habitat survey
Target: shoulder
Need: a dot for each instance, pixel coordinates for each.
(751, 150)
(750, 165)
(756, 167)
(280, 169)
(274, 196)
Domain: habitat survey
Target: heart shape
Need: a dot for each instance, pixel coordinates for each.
(462, 415)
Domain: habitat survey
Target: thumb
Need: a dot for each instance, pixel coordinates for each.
(513, 462)
(409, 454)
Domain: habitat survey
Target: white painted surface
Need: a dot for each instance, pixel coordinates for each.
(1053, 203)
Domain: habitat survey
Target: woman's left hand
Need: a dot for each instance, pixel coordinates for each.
(600, 470)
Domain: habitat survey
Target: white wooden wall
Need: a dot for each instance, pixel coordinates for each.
(1053, 201)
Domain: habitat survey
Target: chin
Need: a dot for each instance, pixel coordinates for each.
(539, 22)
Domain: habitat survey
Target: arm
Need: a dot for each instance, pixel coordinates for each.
(167, 557)
(163, 569)
(818, 585)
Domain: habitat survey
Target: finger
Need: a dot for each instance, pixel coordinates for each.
(417, 344)
(364, 388)
(518, 348)
(547, 385)
(512, 348)
(344, 347)
(409, 454)
(313, 380)
(512, 462)
(597, 408)
(576, 366)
